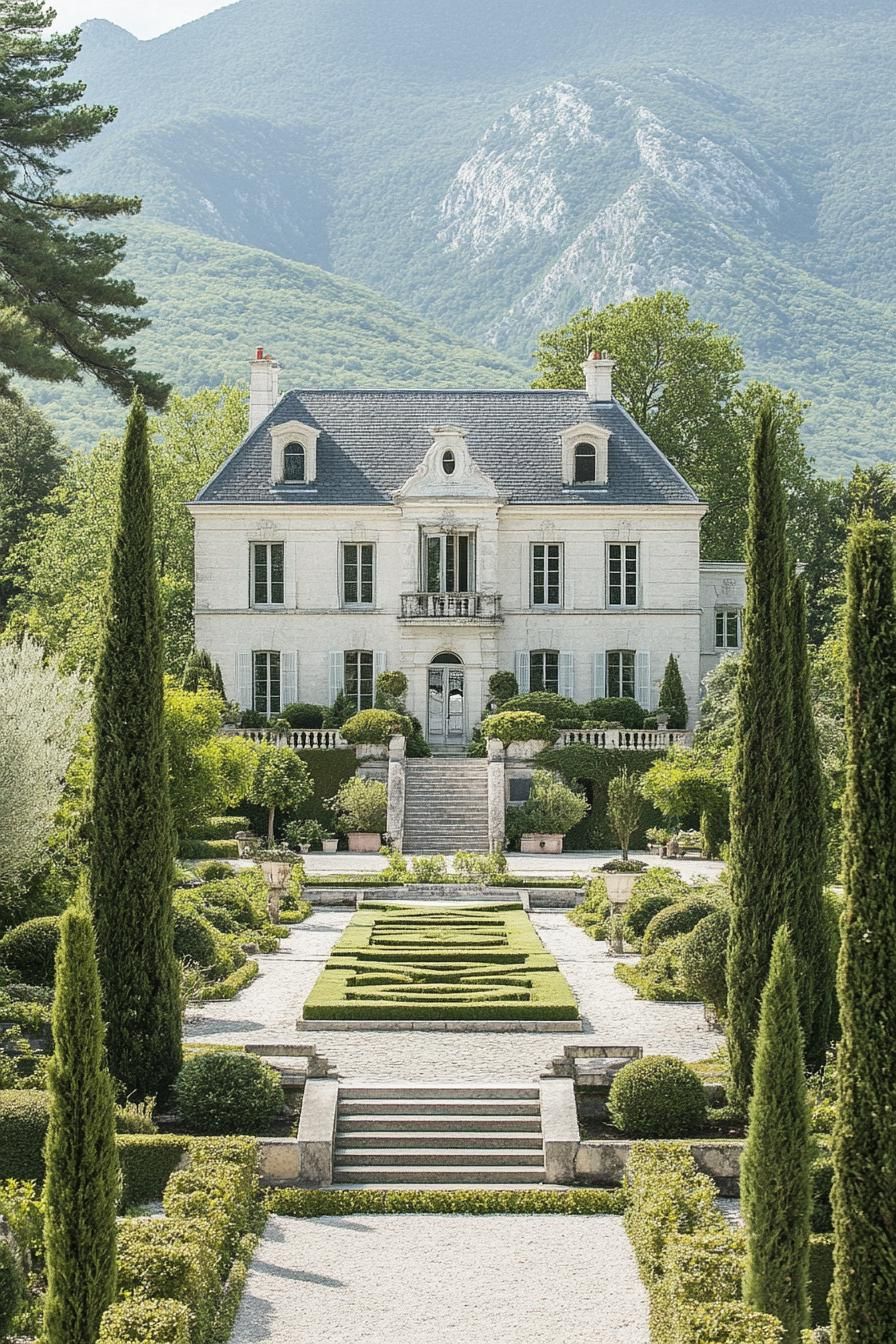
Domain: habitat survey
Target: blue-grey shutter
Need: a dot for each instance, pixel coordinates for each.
(643, 688)
(599, 678)
(566, 675)
(522, 670)
(244, 679)
(380, 662)
(289, 678)
(337, 675)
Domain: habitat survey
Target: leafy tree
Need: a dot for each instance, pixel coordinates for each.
(44, 713)
(132, 851)
(673, 700)
(775, 1184)
(30, 466)
(62, 310)
(863, 1304)
(201, 673)
(760, 841)
(64, 562)
(715, 732)
(82, 1183)
(282, 779)
(206, 771)
(625, 803)
(683, 785)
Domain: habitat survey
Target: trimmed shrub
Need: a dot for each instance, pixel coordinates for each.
(300, 715)
(223, 1092)
(704, 960)
(641, 911)
(24, 1116)
(555, 708)
(219, 828)
(194, 937)
(611, 709)
(147, 1161)
(730, 1323)
(30, 949)
(681, 917)
(657, 1097)
(375, 725)
(673, 700)
(664, 1194)
(220, 1188)
(360, 805)
(593, 913)
(658, 976)
(172, 1259)
(207, 849)
(502, 686)
(517, 726)
(146, 1320)
(295, 1203)
(552, 808)
(214, 870)
(391, 685)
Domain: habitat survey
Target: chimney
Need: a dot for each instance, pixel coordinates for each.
(598, 370)
(264, 387)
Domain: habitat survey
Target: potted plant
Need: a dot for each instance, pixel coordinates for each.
(303, 834)
(360, 809)
(620, 876)
(276, 863)
(657, 840)
(551, 809)
(329, 843)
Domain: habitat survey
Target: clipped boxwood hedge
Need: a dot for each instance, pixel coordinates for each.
(219, 828)
(296, 1203)
(29, 949)
(24, 1116)
(145, 1320)
(518, 726)
(674, 920)
(556, 709)
(147, 1162)
(191, 848)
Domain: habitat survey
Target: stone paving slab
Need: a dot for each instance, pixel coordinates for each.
(421, 1278)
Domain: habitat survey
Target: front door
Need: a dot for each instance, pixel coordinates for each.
(445, 706)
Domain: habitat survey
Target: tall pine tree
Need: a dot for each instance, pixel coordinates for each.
(760, 839)
(132, 851)
(775, 1182)
(82, 1182)
(808, 854)
(863, 1305)
(673, 700)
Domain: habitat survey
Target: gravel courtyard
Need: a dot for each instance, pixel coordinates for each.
(417, 1278)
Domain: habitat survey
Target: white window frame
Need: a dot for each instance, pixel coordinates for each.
(447, 538)
(268, 599)
(617, 692)
(724, 615)
(348, 674)
(595, 436)
(545, 547)
(544, 654)
(268, 655)
(293, 431)
(357, 601)
(624, 560)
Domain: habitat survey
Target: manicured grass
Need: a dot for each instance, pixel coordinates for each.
(413, 962)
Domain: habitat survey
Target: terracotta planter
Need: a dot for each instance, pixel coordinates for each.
(541, 844)
(364, 842)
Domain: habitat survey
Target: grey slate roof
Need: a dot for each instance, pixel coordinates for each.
(371, 442)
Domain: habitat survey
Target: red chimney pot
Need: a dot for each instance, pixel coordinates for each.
(259, 352)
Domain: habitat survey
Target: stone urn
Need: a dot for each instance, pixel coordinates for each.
(275, 869)
(619, 888)
(246, 844)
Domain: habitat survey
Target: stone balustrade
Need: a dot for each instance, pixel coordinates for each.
(626, 739)
(450, 607)
(301, 739)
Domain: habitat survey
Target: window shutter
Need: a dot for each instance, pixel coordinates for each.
(289, 678)
(244, 679)
(566, 675)
(522, 670)
(642, 678)
(379, 664)
(599, 679)
(337, 675)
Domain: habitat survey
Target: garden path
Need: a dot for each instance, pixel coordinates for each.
(268, 1008)
(416, 1278)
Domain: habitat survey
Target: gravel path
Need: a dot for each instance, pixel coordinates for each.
(268, 1008)
(417, 1278)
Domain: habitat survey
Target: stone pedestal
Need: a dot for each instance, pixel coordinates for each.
(396, 791)
(496, 803)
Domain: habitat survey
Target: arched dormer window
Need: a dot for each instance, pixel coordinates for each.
(293, 453)
(585, 463)
(293, 462)
(585, 448)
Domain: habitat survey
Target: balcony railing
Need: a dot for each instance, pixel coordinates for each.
(450, 607)
(626, 739)
(301, 739)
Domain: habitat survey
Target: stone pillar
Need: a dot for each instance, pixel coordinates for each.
(496, 803)
(396, 789)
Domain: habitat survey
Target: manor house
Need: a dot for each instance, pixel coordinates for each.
(450, 534)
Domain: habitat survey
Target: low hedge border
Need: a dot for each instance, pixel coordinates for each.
(648, 988)
(297, 914)
(292, 1202)
(208, 849)
(147, 1163)
(229, 987)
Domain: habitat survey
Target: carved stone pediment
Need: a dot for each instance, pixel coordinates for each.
(447, 471)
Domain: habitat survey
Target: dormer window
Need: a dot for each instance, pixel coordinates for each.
(448, 462)
(294, 462)
(585, 463)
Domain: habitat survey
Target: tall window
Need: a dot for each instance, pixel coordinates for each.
(547, 575)
(585, 462)
(357, 573)
(622, 574)
(621, 673)
(266, 682)
(294, 462)
(728, 627)
(267, 573)
(358, 674)
(448, 562)
(544, 670)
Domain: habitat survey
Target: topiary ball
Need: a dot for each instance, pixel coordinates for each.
(194, 938)
(658, 1097)
(225, 1092)
(704, 960)
(637, 915)
(675, 919)
(30, 950)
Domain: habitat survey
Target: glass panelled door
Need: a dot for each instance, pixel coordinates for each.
(445, 701)
(448, 562)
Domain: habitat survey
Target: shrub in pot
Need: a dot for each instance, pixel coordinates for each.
(360, 809)
(517, 726)
(551, 809)
(225, 1092)
(376, 726)
(658, 1097)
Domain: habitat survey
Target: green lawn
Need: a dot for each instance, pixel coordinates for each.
(478, 962)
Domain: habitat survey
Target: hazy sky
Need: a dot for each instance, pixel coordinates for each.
(144, 18)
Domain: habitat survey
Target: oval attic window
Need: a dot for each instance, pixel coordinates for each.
(448, 462)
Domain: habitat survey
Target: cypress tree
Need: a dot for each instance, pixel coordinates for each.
(132, 852)
(759, 868)
(673, 700)
(82, 1181)
(863, 1304)
(808, 854)
(775, 1182)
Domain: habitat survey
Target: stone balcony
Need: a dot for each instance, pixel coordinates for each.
(626, 739)
(475, 608)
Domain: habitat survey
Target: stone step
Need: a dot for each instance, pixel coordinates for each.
(443, 1125)
(437, 1157)
(445, 1175)
(468, 1139)
(444, 1109)
(408, 1091)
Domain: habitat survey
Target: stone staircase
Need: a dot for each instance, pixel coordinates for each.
(446, 806)
(458, 1134)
